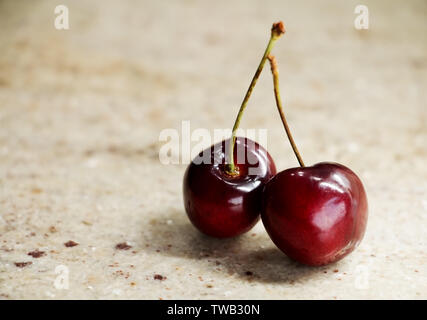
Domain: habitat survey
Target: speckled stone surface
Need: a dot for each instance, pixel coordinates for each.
(81, 112)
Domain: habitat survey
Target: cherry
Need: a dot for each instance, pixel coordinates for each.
(222, 195)
(222, 205)
(316, 215)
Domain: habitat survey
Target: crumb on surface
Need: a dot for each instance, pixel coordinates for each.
(159, 277)
(23, 264)
(122, 273)
(36, 253)
(70, 244)
(123, 246)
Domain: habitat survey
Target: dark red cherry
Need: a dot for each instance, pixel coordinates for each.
(223, 197)
(219, 204)
(315, 215)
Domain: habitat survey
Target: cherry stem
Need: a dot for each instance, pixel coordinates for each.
(276, 31)
(275, 72)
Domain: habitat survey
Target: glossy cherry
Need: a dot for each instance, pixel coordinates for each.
(223, 196)
(315, 215)
(222, 205)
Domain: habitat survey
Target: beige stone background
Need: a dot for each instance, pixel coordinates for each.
(81, 111)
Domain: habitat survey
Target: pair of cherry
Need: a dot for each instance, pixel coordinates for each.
(315, 215)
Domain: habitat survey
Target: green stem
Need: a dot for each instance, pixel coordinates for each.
(276, 31)
(275, 73)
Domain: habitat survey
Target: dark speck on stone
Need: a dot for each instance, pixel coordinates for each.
(70, 243)
(123, 246)
(36, 253)
(22, 264)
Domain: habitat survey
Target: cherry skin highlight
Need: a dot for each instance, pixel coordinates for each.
(223, 205)
(316, 215)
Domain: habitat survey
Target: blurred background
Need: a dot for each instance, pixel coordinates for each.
(81, 111)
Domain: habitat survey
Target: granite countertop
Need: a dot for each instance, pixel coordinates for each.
(87, 211)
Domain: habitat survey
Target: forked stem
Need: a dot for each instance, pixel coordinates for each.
(276, 31)
(275, 72)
